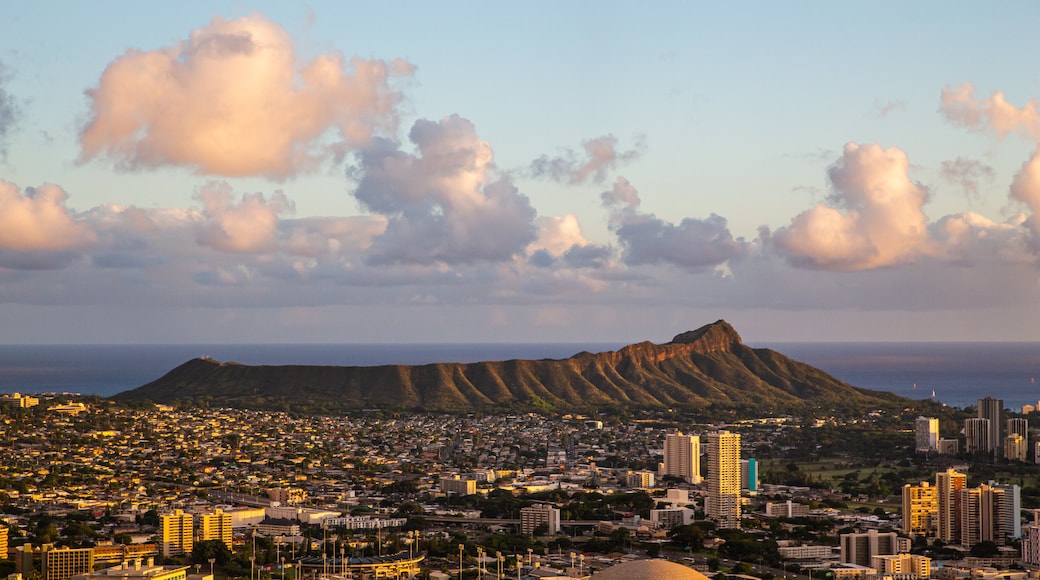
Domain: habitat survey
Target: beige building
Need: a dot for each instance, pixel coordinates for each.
(786, 509)
(682, 457)
(533, 516)
(722, 505)
(177, 533)
(1015, 447)
(920, 509)
(903, 565)
(458, 486)
(859, 549)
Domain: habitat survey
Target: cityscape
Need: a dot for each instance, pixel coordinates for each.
(334, 290)
(93, 489)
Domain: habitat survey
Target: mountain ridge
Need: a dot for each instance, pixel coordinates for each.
(702, 368)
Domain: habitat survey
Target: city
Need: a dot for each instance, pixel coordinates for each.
(91, 487)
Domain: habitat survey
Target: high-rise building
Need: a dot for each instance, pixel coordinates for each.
(531, 517)
(859, 549)
(3, 540)
(215, 526)
(722, 505)
(1031, 544)
(977, 434)
(992, 409)
(1015, 447)
(177, 536)
(1010, 509)
(749, 475)
(682, 457)
(989, 513)
(920, 509)
(947, 487)
(927, 434)
(1018, 426)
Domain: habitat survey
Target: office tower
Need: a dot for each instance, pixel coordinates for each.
(531, 517)
(859, 549)
(682, 456)
(927, 434)
(920, 509)
(3, 541)
(215, 526)
(977, 432)
(177, 537)
(749, 475)
(722, 504)
(947, 485)
(992, 409)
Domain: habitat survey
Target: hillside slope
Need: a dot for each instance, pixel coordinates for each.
(706, 367)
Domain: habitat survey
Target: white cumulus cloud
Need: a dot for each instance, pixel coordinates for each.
(235, 100)
(873, 219)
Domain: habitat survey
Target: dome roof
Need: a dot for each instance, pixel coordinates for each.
(649, 570)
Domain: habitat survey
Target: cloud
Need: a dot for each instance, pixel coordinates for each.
(10, 112)
(235, 100)
(969, 239)
(443, 203)
(38, 221)
(599, 156)
(646, 239)
(967, 173)
(874, 218)
(249, 226)
(1025, 188)
(960, 106)
(888, 107)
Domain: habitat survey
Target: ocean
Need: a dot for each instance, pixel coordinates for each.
(958, 373)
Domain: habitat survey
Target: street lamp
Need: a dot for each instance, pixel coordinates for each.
(461, 548)
(211, 561)
(581, 565)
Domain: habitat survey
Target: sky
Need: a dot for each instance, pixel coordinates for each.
(582, 171)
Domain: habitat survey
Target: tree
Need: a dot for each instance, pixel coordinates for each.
(207, 549)
(985, 549)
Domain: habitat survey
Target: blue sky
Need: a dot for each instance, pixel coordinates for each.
(519, 172)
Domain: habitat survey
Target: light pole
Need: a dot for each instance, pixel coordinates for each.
(581, 565)
(501, 559)
(519, 565)
(461, 548)
(211, 561)
(283, 567)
